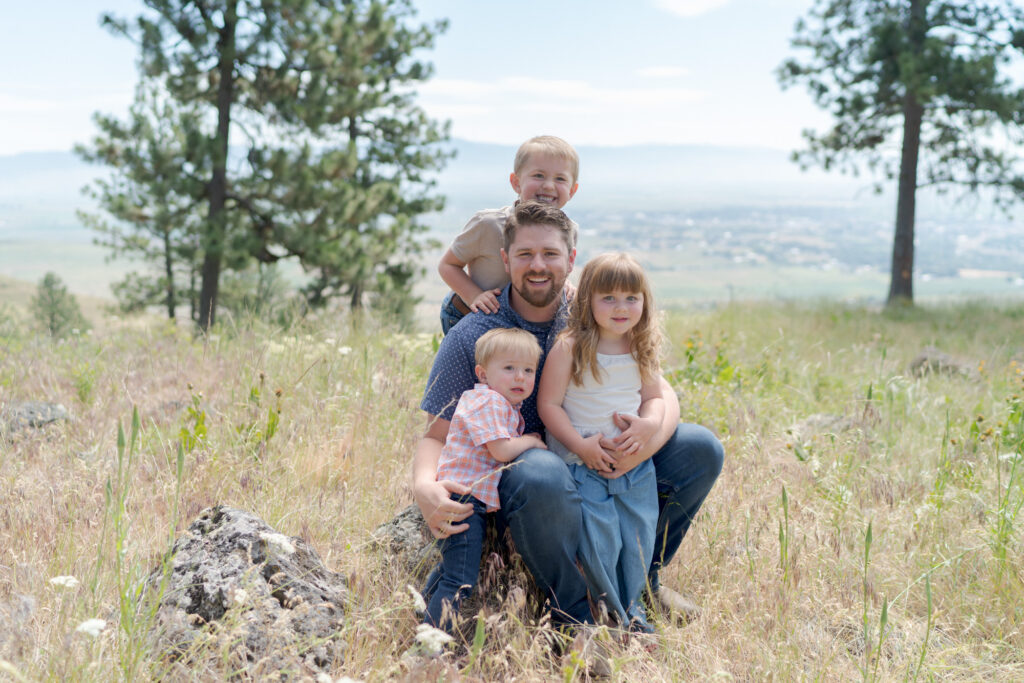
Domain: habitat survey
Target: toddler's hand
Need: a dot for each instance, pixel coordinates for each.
(536, 437)
(486, 301)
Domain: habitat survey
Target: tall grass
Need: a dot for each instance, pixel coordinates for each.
(866, 525)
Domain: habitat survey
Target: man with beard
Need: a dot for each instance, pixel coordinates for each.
(539, 501)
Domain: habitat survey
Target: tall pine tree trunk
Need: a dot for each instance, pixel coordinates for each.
(901, 283)
(169, 273)
(217, 223)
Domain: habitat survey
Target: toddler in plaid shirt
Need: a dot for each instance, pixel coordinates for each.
(486, 432)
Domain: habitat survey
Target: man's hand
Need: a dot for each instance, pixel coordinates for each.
(486, 301)
(443, 515)
(636, 431)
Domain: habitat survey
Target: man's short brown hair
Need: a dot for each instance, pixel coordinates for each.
(537, 213)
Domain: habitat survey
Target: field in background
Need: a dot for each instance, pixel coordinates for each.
(867, 524)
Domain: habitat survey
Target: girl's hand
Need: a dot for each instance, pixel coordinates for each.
(636, 432)
(595, 457)
(486, 301)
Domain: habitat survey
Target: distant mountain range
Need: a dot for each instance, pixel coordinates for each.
(39, 191)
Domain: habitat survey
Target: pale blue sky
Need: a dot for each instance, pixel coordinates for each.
(602, 72)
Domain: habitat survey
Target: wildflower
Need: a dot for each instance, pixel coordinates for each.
(417, 600)
(344, 350)
(278, 543)
(64, 581)
(92, 627)
(431, 639)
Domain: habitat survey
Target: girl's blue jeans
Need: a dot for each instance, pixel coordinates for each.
(616, 547)
(541, 506)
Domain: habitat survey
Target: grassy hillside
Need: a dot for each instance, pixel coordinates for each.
(866, 525)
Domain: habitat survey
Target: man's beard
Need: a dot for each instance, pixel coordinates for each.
(539, 299)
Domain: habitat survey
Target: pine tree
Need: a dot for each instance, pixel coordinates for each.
(310, 144)
(934, 72)
(151, 202)
(56, 310)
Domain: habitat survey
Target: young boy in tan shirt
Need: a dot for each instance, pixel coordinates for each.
(546, 169)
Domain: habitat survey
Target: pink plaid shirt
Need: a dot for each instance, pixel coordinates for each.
(482, 415)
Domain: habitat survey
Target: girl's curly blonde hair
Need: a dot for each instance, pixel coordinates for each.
(603, 274)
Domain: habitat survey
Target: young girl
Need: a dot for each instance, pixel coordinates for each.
(605, 366)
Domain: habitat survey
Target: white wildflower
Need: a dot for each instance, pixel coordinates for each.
(278, 543)
(344, 350)
(92, 627)
(330, 341)
(1008, 457)
(239, 597)
(64, 581)
(431, 639)
(324, 678)
(417, 600)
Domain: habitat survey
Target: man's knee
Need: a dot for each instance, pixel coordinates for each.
(537, 476)
(693, 454)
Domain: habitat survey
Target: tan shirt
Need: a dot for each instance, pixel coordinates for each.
(479, 246)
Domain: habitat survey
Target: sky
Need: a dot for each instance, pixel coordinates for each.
(595, 72)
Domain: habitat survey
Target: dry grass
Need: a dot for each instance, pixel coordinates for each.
(790, 585)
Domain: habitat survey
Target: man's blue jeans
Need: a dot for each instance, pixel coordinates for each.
(456, 575)
(449, 314)
(540, 505)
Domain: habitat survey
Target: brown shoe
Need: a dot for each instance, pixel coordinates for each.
(591, 651)
(674, 604)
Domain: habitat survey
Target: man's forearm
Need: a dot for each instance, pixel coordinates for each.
(425, 459)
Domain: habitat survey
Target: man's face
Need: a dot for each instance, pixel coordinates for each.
(538, 262)
(544, 178)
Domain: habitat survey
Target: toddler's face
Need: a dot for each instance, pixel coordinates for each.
(510, 375)
(545, 178)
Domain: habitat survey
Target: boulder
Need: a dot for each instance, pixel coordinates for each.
(933, 361)
(820, 423)
(30, 415)
(233, 587)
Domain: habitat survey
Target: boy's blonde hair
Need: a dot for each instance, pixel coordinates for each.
(604, 274)
(506, 340)
(556, 147)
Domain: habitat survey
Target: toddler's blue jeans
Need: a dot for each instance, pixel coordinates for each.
(456, 575)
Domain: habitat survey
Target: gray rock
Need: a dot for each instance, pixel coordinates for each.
(505, 583)
(933, 361)
(234, 585)
(15, 614)
(30, 415)
(820, 423)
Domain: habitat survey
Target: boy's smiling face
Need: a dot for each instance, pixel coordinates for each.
(545, 178)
